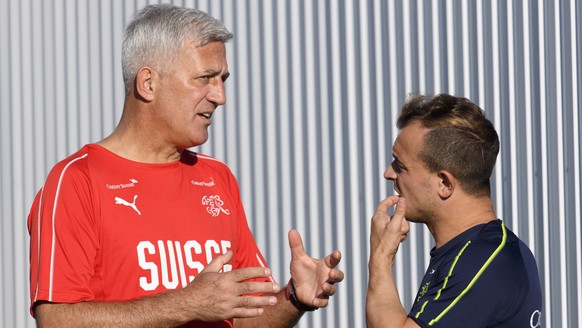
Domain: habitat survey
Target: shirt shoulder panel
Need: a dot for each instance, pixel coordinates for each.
(472, 281)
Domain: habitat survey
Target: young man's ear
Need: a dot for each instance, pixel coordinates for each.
(447, 184)
(145, 83)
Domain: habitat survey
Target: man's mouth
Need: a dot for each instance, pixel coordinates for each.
(397, 190)
(206, 115)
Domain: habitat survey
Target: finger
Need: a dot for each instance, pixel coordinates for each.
(386, 204)
(254, 287)
(320, 302)
(333, 259)
(252, 306)
(335, 275)
(400, 208)
(329, 289)
(247, 312)
(397, 222)
(380, 217)
(405, 228)
(218, 262)
(256, 301)
(247, 273)
(296, 244)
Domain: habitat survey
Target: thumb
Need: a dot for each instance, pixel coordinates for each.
(296, 244)
(218, 262)
(400, 209)
(398, 221)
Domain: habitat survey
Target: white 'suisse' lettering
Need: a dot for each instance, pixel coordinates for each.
(172, 264)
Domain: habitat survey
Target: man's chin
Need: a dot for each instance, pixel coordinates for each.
(199, 139)
(413, 218)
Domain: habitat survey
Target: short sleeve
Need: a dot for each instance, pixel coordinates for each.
(64, 238)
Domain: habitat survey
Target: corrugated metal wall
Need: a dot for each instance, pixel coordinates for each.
(309, 122)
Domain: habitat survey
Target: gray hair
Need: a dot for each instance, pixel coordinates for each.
(156, 34)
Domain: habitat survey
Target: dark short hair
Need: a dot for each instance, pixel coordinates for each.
(460, 139)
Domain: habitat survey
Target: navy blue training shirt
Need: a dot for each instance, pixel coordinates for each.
(484, 277)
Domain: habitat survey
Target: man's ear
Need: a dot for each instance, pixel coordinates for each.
(447, 184)
(145, 83)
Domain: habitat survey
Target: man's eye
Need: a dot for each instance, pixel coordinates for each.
(396, 167)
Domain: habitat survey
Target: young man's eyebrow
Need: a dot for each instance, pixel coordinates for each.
(397, 160)
(395, 157)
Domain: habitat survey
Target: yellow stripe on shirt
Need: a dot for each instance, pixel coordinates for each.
(474, 280)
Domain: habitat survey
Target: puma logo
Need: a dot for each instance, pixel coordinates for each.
(126, 203)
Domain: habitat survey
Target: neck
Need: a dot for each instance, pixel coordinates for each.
(143, 152)
(460, 216)
(133, 140)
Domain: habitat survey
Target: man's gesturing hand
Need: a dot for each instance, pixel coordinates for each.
(314, 279)
(215, 295)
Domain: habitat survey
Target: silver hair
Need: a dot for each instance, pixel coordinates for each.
(156, 34)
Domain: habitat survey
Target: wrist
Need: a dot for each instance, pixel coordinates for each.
(292, 297)
(381, 258)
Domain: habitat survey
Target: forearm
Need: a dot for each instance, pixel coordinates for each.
(282, 314)
(164, 310)
(383, 306)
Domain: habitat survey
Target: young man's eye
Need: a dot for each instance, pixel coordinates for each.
(396, 167)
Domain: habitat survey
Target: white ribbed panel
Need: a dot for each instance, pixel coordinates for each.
(308, 126)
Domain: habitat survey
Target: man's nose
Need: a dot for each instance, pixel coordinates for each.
(389, 173)
(217, 94)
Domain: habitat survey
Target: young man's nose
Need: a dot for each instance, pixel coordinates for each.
(389, 173)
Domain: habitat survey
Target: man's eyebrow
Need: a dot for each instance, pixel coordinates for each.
(211, 71)
(396, 159)
(215, 72)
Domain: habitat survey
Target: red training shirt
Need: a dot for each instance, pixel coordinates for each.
(104, 228)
